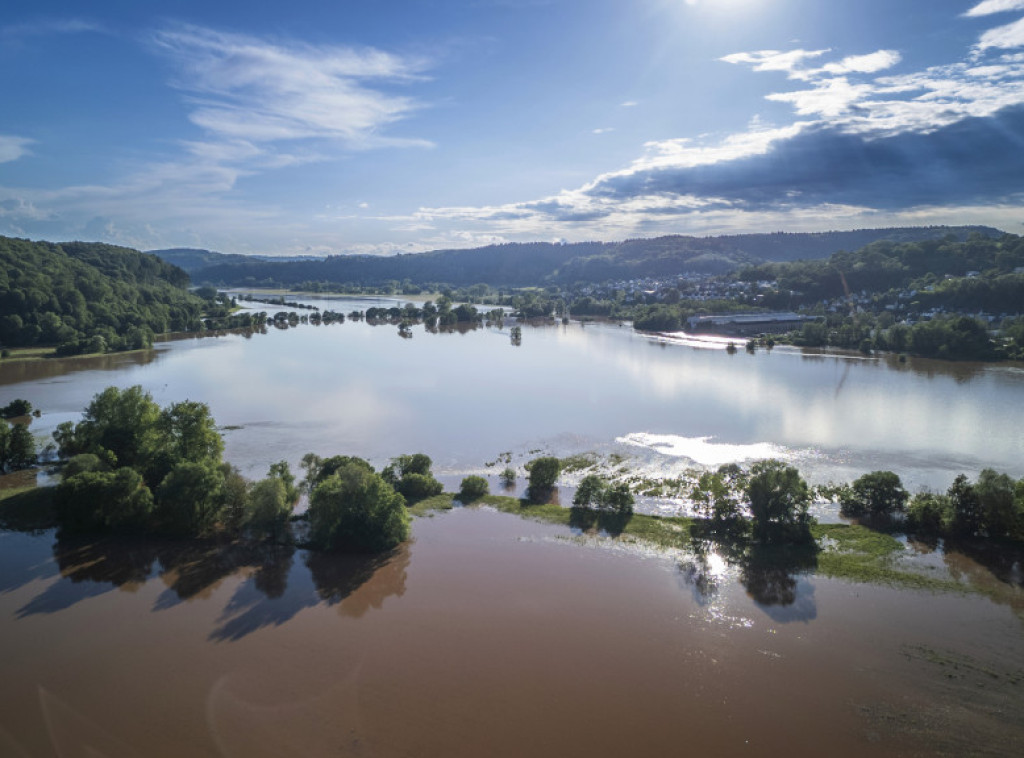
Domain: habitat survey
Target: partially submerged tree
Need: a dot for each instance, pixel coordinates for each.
(879, 494)
(778, 498)
(356, 509)
(543, 475)
(473, 487)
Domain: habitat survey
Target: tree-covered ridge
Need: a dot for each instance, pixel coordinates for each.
(885, 265)
(534, 263)
(89, 296)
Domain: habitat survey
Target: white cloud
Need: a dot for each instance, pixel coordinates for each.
(246, 88)
(50, 26)
(12, 148)
(828, 99)
(790, 62)
(987, 7)
(864, 64)
(1003, 37)
(629, 104)
(603, 130)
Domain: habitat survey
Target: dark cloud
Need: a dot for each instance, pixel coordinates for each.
(975, 161)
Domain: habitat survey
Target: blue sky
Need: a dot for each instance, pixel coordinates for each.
(389, 126)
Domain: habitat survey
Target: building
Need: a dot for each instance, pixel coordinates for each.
(746, 324)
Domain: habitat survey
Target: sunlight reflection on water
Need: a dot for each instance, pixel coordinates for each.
(702, 450)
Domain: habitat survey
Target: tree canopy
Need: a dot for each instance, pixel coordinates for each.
(89, 296)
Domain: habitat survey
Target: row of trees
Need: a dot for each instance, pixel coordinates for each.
(134, 466)
(991, 507)
(948, 337)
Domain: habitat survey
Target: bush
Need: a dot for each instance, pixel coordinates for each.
(411, 476)
(418, 486)
(508, 476)
(473, 488)
(82, 463)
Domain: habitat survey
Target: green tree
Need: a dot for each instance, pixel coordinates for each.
(411, 476)
(17, 448)
(472, 488)
(879, 494)
(508, 476)
(356, 509)
(283, 473)
(715, 498)
(543, 475)
(966, 518)
(589, 491)
(190, 499)
(618, 498)
(80, 463)
(120, 421)
(929, 513)
(269, 508)
(235, 494)
(778, 499)
(16, 408)
(996, 501)
(103, 500)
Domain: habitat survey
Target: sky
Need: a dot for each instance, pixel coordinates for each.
(344, 126)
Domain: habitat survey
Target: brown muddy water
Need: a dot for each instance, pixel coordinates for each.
(486, 635)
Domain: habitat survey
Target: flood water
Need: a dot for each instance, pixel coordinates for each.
(488, 635)
(465, 398)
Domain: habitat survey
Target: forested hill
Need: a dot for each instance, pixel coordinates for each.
(784, 246)
(541, 262)
(63, 294)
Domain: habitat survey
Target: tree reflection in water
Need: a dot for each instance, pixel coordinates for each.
(273, 590)
(770, 574)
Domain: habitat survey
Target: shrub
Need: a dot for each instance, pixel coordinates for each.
(473, 488)
(418, 486)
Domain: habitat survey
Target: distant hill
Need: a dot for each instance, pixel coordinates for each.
(534, 263)
(54, 294)
(193, 259)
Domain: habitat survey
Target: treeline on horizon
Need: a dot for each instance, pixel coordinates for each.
(539, 263)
